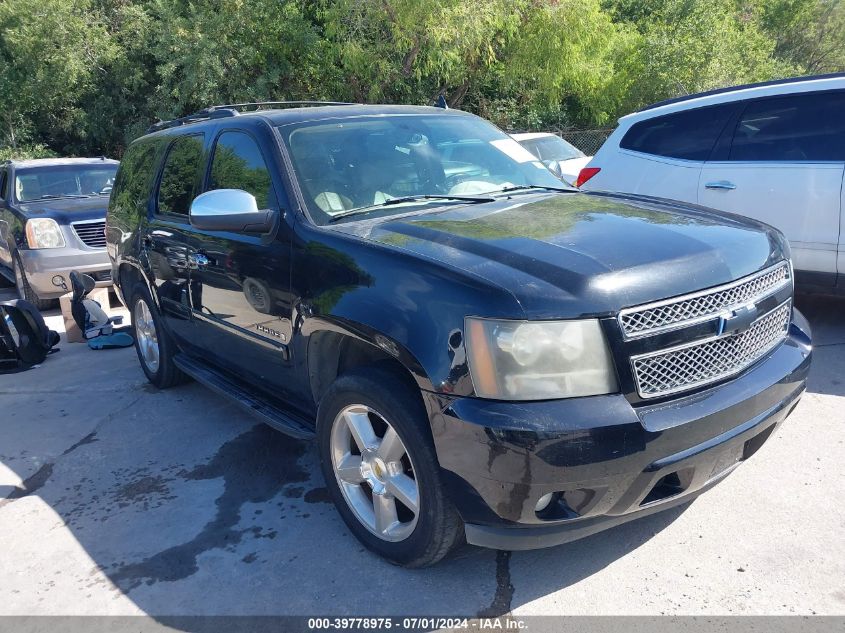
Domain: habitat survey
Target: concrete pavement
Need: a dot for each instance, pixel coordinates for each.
(123, 499)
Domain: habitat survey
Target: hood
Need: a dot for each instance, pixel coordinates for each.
(66, 210)
(571, 254)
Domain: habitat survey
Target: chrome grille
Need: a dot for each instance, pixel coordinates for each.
(92, 234)
(695, 364)
(683, 311)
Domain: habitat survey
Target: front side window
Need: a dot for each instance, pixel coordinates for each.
(359, 163)
(180, 175)
(689, 135)
(238, 164)
(64, 181)
(806, 127)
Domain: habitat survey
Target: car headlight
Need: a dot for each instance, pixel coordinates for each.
(539, 360)
(44, 233)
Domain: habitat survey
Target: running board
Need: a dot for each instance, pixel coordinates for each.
(264, 410)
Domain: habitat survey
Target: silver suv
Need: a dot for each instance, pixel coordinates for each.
(52, 221)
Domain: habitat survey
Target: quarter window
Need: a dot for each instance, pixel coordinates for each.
(238, 164)
(180, 175)
(806, 127)
(689, 135)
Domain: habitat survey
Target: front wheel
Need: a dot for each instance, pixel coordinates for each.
(154, 347)
(379, 463)
(25, 291)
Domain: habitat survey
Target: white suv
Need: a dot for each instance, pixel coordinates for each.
(774, 152)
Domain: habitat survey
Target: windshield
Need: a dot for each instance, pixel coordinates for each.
(358, 163)
(62, 181)
(551, 148)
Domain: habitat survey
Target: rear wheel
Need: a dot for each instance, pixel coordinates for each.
(152, 343)
(379, 463)
(25, 291)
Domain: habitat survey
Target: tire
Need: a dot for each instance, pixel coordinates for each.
(25, 291)
(153, 344)
(374, 396)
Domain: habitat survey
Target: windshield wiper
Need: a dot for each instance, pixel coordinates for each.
(524, 187)
(404, 199)
(53, 196)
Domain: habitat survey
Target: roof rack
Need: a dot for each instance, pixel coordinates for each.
(233, 109)
(761, 84)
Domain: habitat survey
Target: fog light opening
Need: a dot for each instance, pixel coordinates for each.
(544, 502)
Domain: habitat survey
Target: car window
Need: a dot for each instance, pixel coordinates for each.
(806, 127)
(180, 175)
(551, 148)
(358, 163)
(64, 181)
(238, 164)
(133, 182)
(4, 176)
(689, 135)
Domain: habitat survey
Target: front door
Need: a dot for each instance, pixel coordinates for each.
(241, 292)
(785, 168)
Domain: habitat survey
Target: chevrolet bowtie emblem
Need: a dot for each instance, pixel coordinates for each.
(737, 319)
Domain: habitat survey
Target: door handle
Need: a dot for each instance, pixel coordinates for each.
(720, 184)
(197, 261)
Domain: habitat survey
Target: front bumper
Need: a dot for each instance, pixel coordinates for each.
(41, 265)
(605, 461)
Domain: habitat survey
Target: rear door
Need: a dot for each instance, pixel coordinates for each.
(782, 163)
(168, 241)
(241, 283)
(662, 156)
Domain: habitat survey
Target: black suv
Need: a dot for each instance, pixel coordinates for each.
(482, 355)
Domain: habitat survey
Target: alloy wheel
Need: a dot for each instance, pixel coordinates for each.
(145, 335)
(375, 473)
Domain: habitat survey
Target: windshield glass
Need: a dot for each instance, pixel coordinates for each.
(358, 163)
(61, 181)
(551, 148)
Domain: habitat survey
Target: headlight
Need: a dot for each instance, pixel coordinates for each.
(44, 233)
(539, 360)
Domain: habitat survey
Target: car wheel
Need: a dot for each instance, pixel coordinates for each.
(379, 463)
(25, 291)
(152, 343)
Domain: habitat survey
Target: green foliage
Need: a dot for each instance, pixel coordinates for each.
(88, 76)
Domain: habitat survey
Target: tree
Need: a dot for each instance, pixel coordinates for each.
(51, 53)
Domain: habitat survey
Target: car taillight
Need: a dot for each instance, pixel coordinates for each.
(585, 174)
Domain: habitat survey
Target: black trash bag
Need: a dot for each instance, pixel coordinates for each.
(25, 339)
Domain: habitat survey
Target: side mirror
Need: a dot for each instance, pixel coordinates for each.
(230, 210)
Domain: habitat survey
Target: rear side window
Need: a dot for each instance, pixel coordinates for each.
(238, 164)
(4, 177)
(689, 135)
(807, 127)
(180, 175)
(132, 184)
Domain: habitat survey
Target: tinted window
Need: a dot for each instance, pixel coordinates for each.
(132, 185)
(180, 175)
(796, 128)
(3, 178)
(238, 164)
(689, 135)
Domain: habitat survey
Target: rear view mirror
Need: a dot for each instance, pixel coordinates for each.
(230, 210)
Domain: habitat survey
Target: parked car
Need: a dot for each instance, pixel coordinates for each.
(515, 367)
(563, 159)
(52, 221)
(773, 151)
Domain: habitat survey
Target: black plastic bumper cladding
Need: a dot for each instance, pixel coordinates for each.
(606, 461)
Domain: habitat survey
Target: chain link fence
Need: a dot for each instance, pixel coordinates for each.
(588, 141)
